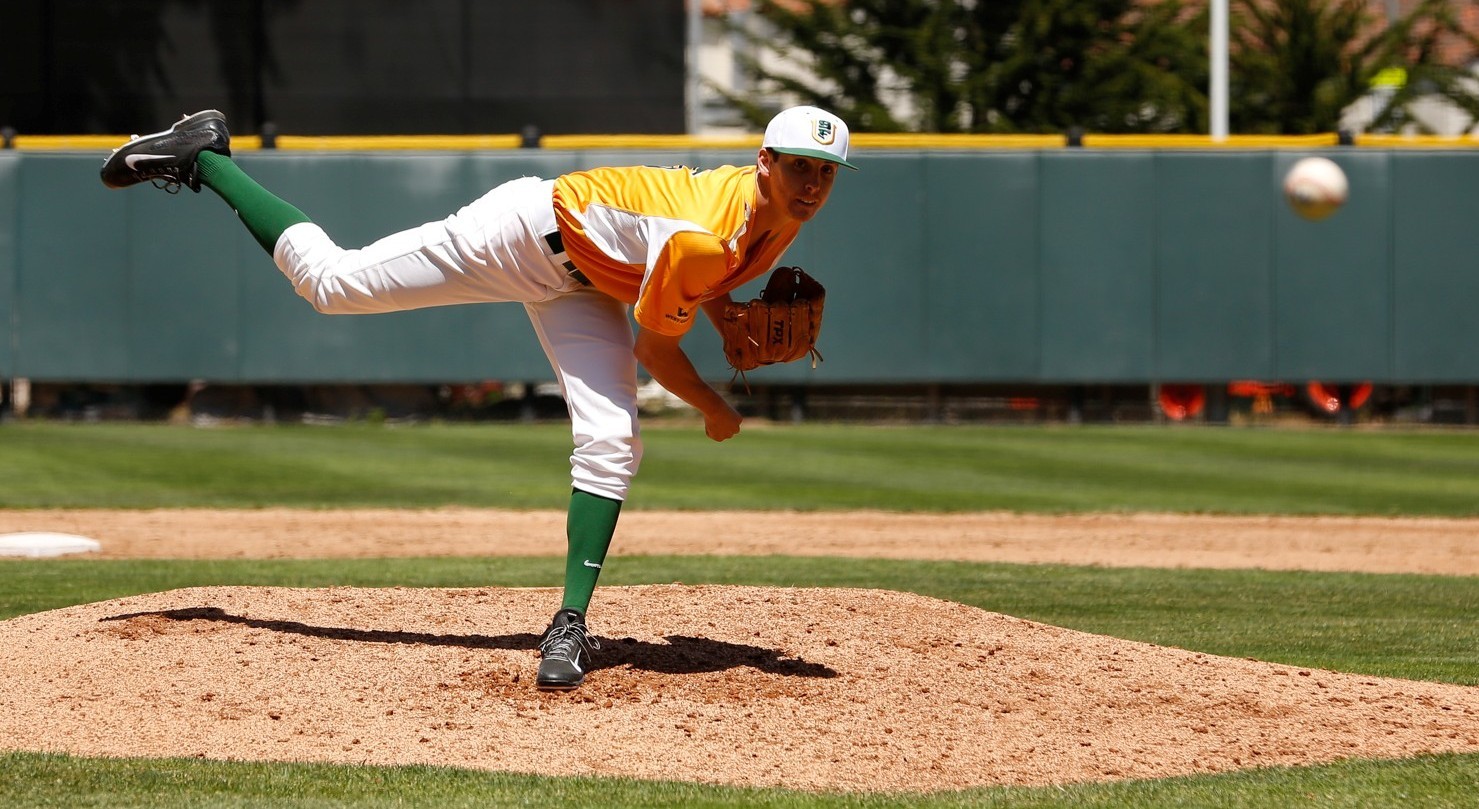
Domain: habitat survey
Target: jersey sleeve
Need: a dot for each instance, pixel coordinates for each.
(685, 273)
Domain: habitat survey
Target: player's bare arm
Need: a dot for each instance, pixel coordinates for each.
(714, 309)
(663, 357)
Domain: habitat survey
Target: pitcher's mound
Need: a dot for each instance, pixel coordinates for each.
(820, 689)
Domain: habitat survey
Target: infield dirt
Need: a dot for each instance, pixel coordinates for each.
(825, 689)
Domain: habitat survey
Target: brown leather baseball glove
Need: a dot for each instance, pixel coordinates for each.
(779, 326)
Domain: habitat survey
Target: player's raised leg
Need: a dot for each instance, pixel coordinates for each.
(196, 152)
(484, 253)
(168, 158)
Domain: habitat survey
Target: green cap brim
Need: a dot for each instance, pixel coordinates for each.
(817, 153)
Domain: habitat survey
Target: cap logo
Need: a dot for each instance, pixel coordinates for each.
(823, 132)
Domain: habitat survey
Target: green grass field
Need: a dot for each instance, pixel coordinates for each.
(1026, 469)
(1420, 627)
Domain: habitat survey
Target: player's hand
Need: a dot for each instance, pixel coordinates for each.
(661, 355)
(722, 424)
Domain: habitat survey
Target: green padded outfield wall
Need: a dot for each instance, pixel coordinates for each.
(1051, 266)
(10, 165)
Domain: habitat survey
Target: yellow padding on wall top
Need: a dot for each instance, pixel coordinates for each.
(862, 141)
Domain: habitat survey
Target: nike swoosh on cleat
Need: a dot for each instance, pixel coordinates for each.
(589, 563)
(133, 160)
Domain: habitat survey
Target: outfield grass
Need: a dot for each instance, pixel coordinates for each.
(1422, 627)
(947, 468)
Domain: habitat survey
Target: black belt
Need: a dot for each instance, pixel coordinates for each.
(557, 248)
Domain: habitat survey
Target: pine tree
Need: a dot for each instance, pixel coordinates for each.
(1296, 65)
(988, 66)
(1048, 66)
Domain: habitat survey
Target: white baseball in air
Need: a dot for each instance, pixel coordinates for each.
(1315, 188)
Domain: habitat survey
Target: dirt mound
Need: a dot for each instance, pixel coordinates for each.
(822, 689)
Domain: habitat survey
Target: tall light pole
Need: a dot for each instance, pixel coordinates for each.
(693, 29)
(1217, 92)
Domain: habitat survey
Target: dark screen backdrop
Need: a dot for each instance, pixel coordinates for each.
(320, 67)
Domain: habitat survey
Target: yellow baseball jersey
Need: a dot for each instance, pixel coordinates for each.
(665, 239)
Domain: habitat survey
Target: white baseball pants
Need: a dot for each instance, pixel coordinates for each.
(491, 251)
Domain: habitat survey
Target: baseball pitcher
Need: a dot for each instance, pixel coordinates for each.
(580, 252)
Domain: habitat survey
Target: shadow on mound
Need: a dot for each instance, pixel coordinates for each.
(688, 655)
(680, 655)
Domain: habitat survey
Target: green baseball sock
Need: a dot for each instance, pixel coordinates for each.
(588, 529)
(263, 213)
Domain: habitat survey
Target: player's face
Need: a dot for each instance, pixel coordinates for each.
(800, 185)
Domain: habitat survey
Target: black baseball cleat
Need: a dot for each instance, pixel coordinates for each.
(168, 158)
(566, 646)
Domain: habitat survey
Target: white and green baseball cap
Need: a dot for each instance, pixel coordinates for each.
(809, 132)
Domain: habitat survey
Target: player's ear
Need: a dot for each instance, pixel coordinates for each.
(764, 160)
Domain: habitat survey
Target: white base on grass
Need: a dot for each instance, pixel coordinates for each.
(36, 544)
